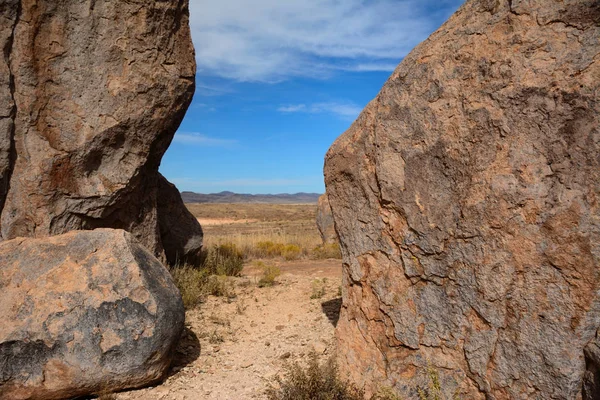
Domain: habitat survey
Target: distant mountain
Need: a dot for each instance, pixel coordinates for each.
(230, 197)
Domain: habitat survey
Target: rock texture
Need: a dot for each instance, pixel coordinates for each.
(180, 231)
(91, 93)
(466, 197)
(325, 221)
(85, 312)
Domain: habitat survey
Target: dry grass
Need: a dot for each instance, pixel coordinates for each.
(262, 231)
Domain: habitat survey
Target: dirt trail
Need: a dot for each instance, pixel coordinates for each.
(233, 347)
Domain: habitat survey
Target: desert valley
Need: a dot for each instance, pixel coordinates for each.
(455, 253)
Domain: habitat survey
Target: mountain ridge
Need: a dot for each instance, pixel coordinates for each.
(231, 197)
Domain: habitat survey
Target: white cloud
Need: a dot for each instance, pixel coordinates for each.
(272, 40)
(199, 139)
(292, 108)
(346, 110)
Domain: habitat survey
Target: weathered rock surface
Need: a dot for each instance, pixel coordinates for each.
(91, 93)
(84, 312)
(180, 231)
(466, 198)
(325, 221)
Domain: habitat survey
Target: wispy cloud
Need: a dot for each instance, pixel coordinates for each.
(292, 108)
(199, 139)
(346, 110)
(272, 40)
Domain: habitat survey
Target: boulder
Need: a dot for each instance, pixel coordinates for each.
(91, 94)
(83, 313)
(466, 197)
(325, 221)
(180, 231)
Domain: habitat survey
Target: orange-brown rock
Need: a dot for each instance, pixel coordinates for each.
(82, 313)
(91, 94)
(466, 198)
(325, 221)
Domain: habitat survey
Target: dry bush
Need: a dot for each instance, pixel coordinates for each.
(220, 286)
(219, 262)
(269, 274)
(319, 288)
(222, 259)
(190, 281)
(326, 251)
(315, 382)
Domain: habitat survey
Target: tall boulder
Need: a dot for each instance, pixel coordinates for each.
(325, 221)
(466, 198)
(91, 94)
(83, 313)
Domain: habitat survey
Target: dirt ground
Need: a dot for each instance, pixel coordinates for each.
(234, 347)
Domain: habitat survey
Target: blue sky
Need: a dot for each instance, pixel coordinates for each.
(278, 81)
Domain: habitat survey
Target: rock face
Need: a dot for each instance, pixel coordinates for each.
(466, 197)
(84, 312)
(325, 221)
(91, 93)
(180, 231)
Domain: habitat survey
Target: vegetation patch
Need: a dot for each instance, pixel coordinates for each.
(317, 381)
(223, 259)
(269, 274)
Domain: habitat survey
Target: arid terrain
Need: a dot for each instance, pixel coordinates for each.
(235, 344)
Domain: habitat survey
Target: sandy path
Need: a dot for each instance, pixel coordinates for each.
(234, 347)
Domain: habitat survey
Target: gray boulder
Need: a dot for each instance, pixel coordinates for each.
(84, 313)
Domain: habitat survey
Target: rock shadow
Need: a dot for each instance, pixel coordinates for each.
(186, 352)
(331, 309)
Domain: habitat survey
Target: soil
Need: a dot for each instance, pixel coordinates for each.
(234, 347)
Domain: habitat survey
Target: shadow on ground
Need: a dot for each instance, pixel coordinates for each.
(331, 309)
(187, 351)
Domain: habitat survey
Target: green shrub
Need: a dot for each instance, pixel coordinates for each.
(315, 382)
(223, 259)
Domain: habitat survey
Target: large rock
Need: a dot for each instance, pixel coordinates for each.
(466, 197)
(91, 93)
(82, 313)
(325, 221)
(180, 231)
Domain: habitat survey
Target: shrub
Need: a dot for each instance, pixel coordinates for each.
(190, 282)
(315, 382)
(269, 249)
(291, 252)
(223, 259)
(269, 274)
(327, 250)
(319, 287)
(219, 285)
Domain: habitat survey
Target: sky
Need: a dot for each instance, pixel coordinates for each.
(279, 80)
